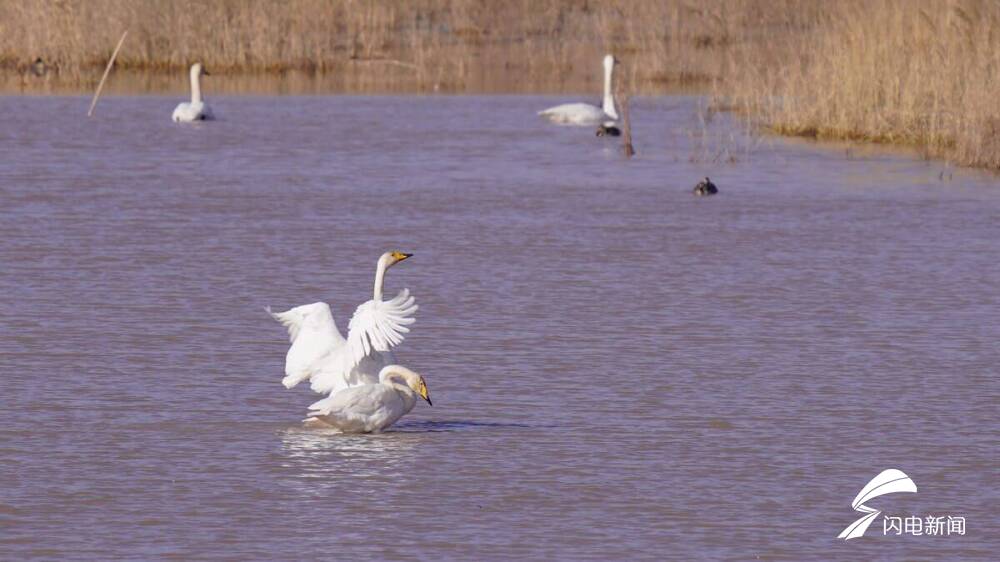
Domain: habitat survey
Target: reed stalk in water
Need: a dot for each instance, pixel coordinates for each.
(107, 70)
(622, 101)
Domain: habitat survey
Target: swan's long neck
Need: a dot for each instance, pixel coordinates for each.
(195, 86)
(398, 377)
(402, 380)
(379, 278)
(390, 372)
(609, 98)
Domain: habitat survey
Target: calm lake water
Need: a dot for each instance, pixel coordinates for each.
(619, 369)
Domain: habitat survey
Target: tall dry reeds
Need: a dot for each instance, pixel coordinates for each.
(449, 44)
(924, 73)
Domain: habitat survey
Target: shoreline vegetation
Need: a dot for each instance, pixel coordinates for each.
(917, 73)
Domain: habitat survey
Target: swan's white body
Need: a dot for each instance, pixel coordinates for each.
(585, 113)
(196, 109)
(371, 407)
(321, 355)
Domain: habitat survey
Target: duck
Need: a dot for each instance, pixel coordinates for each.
(705, 188)
(39, 68)
(608, 131)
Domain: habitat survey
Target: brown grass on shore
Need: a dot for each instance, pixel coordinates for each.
(924, 73)
(446, 44)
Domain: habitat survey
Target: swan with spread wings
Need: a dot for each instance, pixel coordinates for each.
(321, 355)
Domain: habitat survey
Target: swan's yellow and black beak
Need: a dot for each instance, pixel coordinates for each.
(400, 256)
(424, 394)
(205, 72)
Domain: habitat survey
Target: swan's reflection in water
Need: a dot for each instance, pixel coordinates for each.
(319, 459)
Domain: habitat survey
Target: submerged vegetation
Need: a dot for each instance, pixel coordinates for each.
(922, 73)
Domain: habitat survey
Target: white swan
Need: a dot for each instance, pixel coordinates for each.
(320, 354)
(197, 110)
(585, 113)
(371, 407)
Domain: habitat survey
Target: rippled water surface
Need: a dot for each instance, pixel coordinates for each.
(619, 369)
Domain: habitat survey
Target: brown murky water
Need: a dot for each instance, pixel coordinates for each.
(619, 369)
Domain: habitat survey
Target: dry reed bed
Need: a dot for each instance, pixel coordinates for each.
(923, 73)
(431, 43)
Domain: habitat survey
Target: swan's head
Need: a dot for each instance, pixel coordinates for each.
(198, 70)
(610, 61)
(410, 378)
(421, 389)
(392, 258)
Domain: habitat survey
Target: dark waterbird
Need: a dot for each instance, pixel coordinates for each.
(39, 68)
(608, 131)
(705, 187)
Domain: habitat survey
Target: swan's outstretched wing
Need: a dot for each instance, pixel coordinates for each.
(314, 338)
(337, 370)
(320, 354)
(380, 325)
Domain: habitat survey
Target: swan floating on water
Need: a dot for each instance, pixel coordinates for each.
(197, 109)
(585, 113)
(321, 355)
(705, 188)
(371, 407)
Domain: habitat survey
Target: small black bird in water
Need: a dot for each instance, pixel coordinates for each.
(608, 131)
(705, 188)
